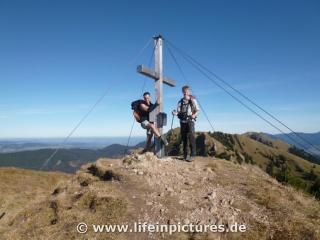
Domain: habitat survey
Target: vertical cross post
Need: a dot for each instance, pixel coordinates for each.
(156, 115)
(159, 151)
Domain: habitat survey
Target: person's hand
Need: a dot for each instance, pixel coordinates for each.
(159, 101)
(174, 112)
(193, 116)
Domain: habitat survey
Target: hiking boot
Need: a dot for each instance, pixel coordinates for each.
(143, 151)
(186, 158)
(192, 159)
(163, 141)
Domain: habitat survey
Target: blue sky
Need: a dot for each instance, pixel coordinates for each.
(58, 58)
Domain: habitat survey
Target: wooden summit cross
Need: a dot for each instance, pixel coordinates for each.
(157, 116)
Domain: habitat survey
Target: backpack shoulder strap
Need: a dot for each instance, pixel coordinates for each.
(191, 104)
(180, 102)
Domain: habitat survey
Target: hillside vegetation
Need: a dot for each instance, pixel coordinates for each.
(249, 147)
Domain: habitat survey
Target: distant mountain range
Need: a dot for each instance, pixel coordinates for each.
(251, 147)
(65, 160)
(298, 140)
(10, 146)
(94, 143)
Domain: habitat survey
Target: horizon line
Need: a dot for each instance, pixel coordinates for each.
(137, 136)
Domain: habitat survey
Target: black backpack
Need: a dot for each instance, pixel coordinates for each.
(183, 115)
(135, 106)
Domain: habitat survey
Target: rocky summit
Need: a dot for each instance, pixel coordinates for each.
(210, 198)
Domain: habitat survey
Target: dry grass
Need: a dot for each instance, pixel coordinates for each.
(24, 188)
(291, 214)
(56, 215)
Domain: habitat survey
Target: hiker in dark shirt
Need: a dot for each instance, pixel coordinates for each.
(146, 108)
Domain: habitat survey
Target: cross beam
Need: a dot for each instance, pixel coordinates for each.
(155, 115)
(155, 75)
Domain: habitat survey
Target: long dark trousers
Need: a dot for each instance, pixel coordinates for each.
(188, 128)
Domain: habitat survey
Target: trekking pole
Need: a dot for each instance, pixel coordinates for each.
(172, 123)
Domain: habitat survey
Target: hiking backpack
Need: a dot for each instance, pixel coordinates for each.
(183, 115)
(135, 106)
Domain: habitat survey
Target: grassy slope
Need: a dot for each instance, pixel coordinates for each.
(276, 142)
(243, 143)
(253, 147)
(24, 188)
(174, 141)
(52, 204)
